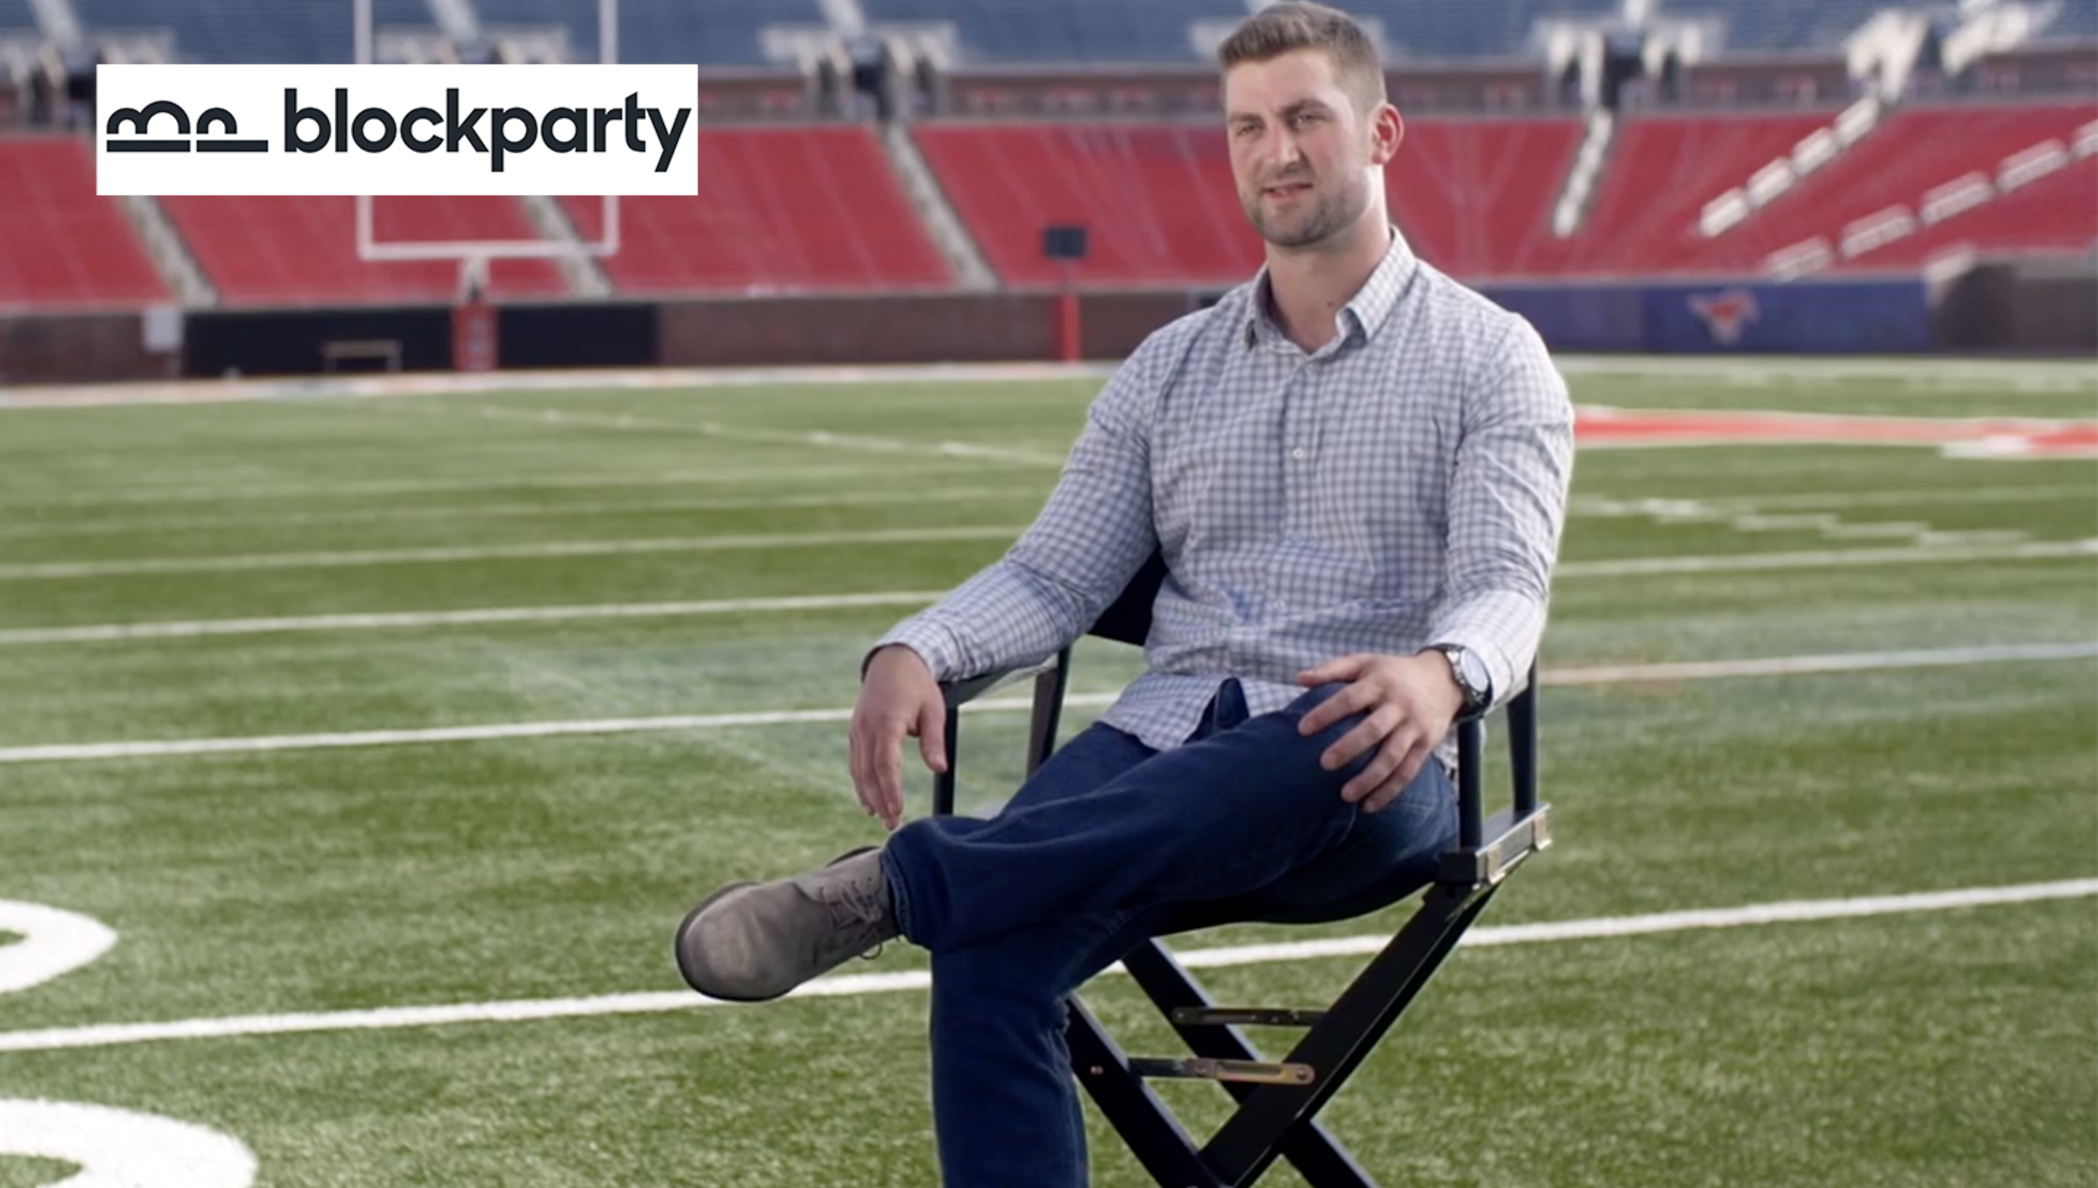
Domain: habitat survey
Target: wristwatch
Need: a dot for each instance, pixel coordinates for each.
(1471, 674)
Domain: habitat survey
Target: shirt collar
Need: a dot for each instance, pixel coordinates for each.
(1364, 312)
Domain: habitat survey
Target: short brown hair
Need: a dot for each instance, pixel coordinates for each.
(1298, 25)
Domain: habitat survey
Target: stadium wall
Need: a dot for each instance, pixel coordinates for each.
(2012, 307)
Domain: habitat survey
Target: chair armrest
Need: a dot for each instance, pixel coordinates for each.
(967, 689)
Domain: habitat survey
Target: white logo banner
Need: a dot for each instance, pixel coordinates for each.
(394, 130)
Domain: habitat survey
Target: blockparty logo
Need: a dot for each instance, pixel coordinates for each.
(388, 130)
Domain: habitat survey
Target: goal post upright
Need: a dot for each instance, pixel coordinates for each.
(364, 41)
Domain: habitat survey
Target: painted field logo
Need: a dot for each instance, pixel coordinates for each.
(387, 130)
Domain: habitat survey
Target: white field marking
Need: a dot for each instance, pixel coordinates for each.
(1724, 563)
(123, 1149)
(456, 512)
(2033, 375)
(1666, 508)
(1828, 559)
(102, 632)
(759, 436)
(581, 381)
(1662, 509)
(1617, 674)
(717, 476)
(54, 942)
(358, 558)
(855, 985)
(2020, 374)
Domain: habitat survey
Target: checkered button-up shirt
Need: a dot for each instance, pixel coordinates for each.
(1403, 486)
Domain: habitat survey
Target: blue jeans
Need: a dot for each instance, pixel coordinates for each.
(1107, 844)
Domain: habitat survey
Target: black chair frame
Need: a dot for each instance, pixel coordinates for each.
(1277, 1100)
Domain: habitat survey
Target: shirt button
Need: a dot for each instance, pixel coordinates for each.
(1297, 453)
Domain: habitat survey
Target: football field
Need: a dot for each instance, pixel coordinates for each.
(360, 753)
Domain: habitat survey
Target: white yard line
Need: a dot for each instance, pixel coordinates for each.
(190, 629)
(1719, 563)
(453, 513)
(1600, 675)
(1661, 509)
(1826, 559)
(713, 476)
(855, 985)
(821, 438)
(538, 550)
(1685, 508)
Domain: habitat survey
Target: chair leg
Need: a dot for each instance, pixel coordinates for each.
(1249, 1141)
(1149, 1130)
(1308, 1147)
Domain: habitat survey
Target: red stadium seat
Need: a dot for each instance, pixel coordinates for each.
(304, 250)
(60, 245)
(779, 210)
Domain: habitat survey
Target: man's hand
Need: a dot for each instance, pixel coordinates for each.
(898, 696)
(1407, 703)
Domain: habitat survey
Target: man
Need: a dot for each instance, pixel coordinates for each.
(1356, 472)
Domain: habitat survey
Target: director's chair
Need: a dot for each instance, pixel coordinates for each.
(1277, 1100)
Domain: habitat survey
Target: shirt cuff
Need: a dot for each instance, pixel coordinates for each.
(933, 642)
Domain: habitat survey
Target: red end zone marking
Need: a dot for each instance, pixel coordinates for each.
(1974, 438)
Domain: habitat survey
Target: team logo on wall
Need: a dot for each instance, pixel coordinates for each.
(1727, 315)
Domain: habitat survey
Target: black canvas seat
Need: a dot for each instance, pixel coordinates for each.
(1278, 1100)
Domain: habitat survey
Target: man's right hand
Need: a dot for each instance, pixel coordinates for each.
(898, 696)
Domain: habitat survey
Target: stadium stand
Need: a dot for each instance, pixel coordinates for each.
(1158, 199)
(1644, 216)
(1474, 28)
(303, 251)
(1474, 196)
(1073, 31)
(1784, 24)
(2074, 20)
(779, 210)
(2051, 214)
(60, 245)
(823, 197)
(238, 31)
(1915, 150)
(710, 34)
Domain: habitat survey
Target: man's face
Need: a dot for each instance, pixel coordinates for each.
(1301, 151)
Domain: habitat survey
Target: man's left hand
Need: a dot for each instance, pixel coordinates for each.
(1407, 703)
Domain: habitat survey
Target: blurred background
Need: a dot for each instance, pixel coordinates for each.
(919, 180)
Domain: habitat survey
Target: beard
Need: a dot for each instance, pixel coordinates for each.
(1314, 217)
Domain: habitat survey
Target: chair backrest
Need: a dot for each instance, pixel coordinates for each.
(1128, 620)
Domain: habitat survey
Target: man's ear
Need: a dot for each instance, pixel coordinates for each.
(1387, 132)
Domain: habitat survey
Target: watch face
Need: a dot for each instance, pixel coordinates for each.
(1471, 673)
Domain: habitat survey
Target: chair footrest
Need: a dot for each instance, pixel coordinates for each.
(1206, 1069)
(1245, 1016)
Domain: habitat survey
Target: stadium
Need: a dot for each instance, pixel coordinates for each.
(409, 605)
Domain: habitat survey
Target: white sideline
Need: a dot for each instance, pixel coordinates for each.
(851, 985)
(179, 629)
(1826, 559)
(1598, 675)
(34, 570)
(1621, 567)
(278, 518)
